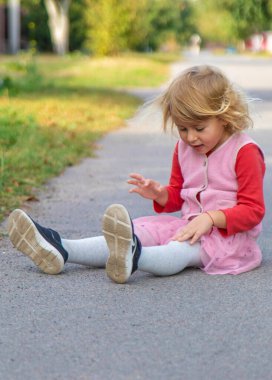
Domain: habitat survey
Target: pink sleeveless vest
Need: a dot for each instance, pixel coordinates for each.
(214, 179)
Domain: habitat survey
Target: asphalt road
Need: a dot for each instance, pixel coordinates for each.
(80, 325)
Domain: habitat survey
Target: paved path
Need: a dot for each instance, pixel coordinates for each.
(79, 325)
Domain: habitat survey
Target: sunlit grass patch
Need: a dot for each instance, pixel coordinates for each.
(40, 137)
(127, 70)
(53, 110)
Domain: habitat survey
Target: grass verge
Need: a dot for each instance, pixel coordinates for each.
(53, 110)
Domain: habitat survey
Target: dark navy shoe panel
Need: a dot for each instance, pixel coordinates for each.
(137, 252)
(53, 238)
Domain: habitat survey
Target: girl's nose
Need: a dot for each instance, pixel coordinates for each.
(191, 136)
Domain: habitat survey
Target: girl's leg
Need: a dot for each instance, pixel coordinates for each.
(47, 250)
(169, 259)
(126, 254)
(91, 251)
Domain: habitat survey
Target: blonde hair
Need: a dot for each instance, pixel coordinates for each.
(202, 92)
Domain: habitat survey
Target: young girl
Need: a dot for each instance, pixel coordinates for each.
(216, 182)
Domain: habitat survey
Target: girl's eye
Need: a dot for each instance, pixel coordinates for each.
(182, 129)
(199, 129)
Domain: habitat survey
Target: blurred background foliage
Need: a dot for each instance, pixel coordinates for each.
(231, 21)
(59, 105)
(106, 27)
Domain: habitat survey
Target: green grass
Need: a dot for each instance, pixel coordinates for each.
(53, 110)
(133, 70)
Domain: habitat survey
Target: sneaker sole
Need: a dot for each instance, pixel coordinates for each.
(118, 234)
(27, 239)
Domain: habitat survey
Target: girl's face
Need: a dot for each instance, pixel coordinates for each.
(206, 136)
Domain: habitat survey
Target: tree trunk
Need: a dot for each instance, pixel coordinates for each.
(14, 25)
(2, 29)
(59, 24)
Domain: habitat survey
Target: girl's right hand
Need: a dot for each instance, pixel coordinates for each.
(148, 188)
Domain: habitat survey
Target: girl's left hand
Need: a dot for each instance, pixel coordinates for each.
(199, 226)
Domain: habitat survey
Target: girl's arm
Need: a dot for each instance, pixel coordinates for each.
(250, 208)
(148, 188)
(165, 198)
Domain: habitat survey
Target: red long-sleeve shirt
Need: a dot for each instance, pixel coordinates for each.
(250, 208)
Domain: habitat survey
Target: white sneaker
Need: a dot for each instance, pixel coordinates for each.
(42, 245)
(124, 246)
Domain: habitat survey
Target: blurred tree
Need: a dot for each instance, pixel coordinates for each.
(214, 21)
(14, 25)
(35, 25)
(229, 21)
(186, 26)
(251, 16)
(139, 26)
(167, 21)
(115, 25)
(2, 27)
(78, 25)
(58, 12)
(108, 22)
(46, 23)
(159, 22)
(111, 26)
